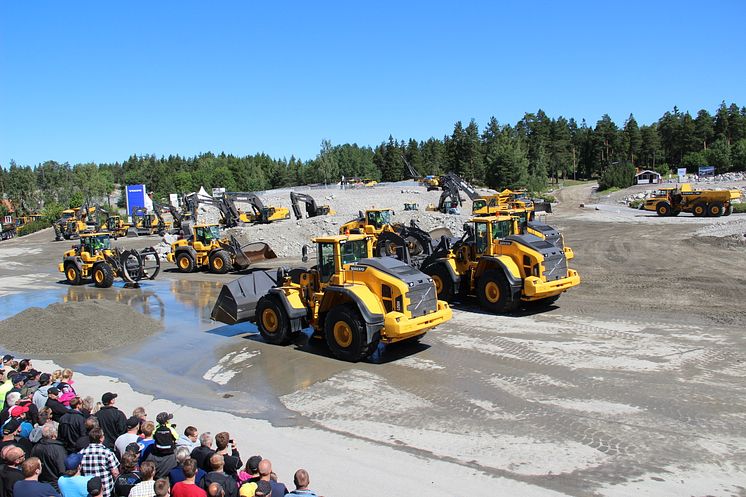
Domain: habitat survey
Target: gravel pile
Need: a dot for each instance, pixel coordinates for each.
(64, 328)
(287, 237)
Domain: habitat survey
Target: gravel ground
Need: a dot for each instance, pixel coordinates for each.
(287, 237)
(74, 327)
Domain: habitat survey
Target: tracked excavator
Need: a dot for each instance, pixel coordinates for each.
(259, 212)
(312, 209)
(350, 298)
(94, 258)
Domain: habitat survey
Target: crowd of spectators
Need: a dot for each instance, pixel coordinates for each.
(56, 443)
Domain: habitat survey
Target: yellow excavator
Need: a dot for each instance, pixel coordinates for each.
(312, 209)
(350, 298)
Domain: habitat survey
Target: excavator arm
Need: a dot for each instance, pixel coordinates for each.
(312, 209)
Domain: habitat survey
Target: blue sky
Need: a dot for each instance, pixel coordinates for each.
(99, 81)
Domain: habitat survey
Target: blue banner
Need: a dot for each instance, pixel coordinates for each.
(135, 198)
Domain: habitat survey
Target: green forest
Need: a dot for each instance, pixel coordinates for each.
(532, 153)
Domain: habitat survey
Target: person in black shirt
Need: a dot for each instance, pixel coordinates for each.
(217, 475)
(203, 452)
(11, 472)
(129, 477)
(58, 408)
(232, 459)
(112, 421)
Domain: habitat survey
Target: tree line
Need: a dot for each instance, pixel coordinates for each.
(531, 153)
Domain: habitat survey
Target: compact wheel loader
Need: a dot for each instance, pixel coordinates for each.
(94, 258)
(205, 248)
(501, 268)
(349, 298)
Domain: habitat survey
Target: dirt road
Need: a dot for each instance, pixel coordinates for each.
(631, 385)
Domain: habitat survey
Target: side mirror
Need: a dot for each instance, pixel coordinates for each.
(360, 214)
(304, 253)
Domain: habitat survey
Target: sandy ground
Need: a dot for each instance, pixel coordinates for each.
(631, 385)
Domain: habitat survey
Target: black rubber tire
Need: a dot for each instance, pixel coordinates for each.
(184, 262)
(222, 259)
(503, 301)
(440, 272)
(358, 347)
(103, 275)
(699, 209)
(272, 321)
(715, 209)
(72, 274)
(663, 209)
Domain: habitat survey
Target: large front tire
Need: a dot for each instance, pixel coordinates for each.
(72, 274)
(346, 335)
(663, 209)
(443, 281)
(494, 292)
(103, 275)
(220, 262)
(272, 321)
(184, 262)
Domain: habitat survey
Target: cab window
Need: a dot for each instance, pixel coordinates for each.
(478, 204)
(501, 229)
(481, 235)
(354, 251)
(326, 261)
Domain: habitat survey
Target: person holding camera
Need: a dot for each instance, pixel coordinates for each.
(232, 459)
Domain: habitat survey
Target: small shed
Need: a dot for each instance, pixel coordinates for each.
(647, 177)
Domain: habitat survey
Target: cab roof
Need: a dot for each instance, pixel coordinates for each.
(89, 235)
(490, 219)
(339, 238)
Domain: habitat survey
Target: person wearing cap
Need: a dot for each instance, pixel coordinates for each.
(10, 436)
(100, 461)
(32, 383)
(51, 452)
(72, 425)
(112, 421)
(40, 396)
(57, 407)
(123, 440)
(72, 483)
(95, 487)
(165, 435)
(30, 486)
(251, 471)
(18, 379)
(7, 358)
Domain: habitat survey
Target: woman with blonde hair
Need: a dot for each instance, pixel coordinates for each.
(56, 377)
(67, 392)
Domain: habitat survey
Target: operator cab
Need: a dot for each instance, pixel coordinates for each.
(334, 253)
(206, 234)
(93, 244)
(488, 229)
(378, 218)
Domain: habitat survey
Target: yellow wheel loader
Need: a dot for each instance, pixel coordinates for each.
(204, 248)
(501, 268)
(94, 258)
(673, 201)
(349, 298)
(371, 222)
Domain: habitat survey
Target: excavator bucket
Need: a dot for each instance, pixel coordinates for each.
(238, 299)
(244, 256)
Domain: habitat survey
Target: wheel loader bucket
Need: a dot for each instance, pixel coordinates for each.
(437, 233)
(237, 300)
(244, 256)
